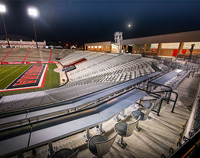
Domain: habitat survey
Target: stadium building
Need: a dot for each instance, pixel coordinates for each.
(18, 41)
(171, 45)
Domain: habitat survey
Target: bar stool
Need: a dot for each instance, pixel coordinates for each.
(124, 130)
(142, 116)
(100, 145)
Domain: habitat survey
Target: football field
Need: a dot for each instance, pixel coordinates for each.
(9, 73)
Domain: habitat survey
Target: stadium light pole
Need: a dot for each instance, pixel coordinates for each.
(2, 11)
(33, 12)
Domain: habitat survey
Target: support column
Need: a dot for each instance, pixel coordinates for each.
(110, 48)
(126, 48)
(120, 49)
(180, 48)
(145, 47)
(159, 49)
(106, 48)
(133, 48)
(85, 48)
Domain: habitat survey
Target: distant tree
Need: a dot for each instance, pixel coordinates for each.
(51, 43)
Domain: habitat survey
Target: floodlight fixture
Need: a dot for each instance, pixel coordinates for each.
(2, 8)
(33, 12)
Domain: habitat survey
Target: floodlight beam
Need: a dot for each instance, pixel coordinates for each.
(33, 12)
(3, 10)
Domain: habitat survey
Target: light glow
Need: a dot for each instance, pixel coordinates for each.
(88, 46)
(92, 47)
(33, 12)
(99, 46)
(95, 46)
(2, 8)
(129, 25)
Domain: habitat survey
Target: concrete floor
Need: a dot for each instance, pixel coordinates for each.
(157, 135)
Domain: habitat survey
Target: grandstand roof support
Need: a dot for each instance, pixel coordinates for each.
(133, 48)
(159, 49)
(180, 49)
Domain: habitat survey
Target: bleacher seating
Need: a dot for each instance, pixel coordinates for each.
(109, 67)
(18, 54)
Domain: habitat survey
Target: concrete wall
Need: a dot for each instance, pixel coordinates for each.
(23, 44)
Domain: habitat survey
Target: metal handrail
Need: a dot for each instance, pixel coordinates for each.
(191, 145)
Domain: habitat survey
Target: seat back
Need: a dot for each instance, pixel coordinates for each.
(104, 147)
(130, 128)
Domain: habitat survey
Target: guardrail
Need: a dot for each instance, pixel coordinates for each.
(189, 149)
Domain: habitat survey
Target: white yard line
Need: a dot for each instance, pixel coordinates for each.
(10, 74)
(5, 71)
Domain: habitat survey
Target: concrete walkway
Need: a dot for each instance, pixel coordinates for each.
(63, 77)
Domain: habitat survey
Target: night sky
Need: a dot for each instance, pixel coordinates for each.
(83, 21)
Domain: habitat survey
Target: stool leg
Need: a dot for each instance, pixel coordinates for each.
(87, 135)
(121, 143)
(137, 128)
(100, 129)
(123, 114)
(117, 118)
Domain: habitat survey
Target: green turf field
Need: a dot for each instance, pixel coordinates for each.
(8, 73)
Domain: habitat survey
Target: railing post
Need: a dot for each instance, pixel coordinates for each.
(158, 113)
(174, 102)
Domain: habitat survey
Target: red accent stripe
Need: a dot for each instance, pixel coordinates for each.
(31, 62)
(26, 55)
(50, 55)
(21, 44)
(76, 62)
(6, 55)
(43, 81)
